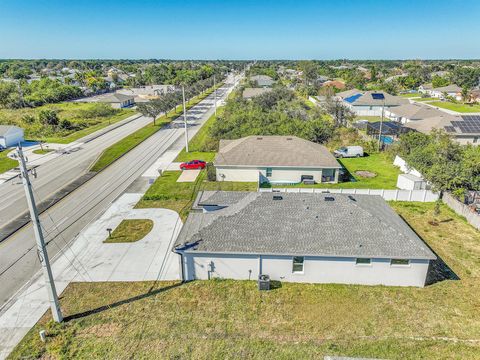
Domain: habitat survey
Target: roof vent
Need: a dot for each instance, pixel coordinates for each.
(277, 197)
(259, 138)
(329, 198)
(289, 138)
(351, 198)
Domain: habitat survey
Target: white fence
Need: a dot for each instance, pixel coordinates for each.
(463, 210)
(395, 195)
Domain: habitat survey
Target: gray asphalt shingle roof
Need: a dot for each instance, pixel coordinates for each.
(390, 100)
(288, 151)
(301, 224)
(5, 129)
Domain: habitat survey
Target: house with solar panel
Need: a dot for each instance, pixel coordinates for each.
(300, 237)
(464, 129)
(366, 103)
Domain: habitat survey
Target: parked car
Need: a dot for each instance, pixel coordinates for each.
(349, 151)
(194, 164)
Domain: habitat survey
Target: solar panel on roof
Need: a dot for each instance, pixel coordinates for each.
(378, 96)
(449, 128)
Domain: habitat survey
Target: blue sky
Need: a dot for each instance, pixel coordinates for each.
(231, 29)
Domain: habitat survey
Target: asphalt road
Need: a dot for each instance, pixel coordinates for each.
(65, 220)
(58, 172)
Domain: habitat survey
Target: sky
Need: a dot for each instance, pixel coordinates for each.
(240, 29)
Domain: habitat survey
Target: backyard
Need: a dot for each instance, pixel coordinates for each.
(458, 107)
(231, 319)
(78, 119)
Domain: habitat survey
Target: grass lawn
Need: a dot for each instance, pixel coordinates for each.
(166, 193)
(123, 146)
(200, 142)
(5, 162)
(425, 99)
(232, 319)
(42, 152)
(130, 230)
(411, 95)
(461, 108)
(85, 118)
(379, 164)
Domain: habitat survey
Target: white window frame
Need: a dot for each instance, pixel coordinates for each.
(293, 265)
(363, 264)
(400, 265)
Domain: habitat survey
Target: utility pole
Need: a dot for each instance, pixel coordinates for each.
(41, 248)
(381, 124)
(185, 118)
(215, 91)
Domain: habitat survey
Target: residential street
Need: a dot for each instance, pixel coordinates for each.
(59, 171)
(64, 221)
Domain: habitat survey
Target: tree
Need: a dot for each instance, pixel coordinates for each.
(48, 117)
(150, 109)
(341, 114)
(438, 81)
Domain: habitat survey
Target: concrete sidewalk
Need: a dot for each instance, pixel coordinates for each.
(89, 259)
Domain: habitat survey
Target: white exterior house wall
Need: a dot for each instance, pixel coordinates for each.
(364, 110)
(340, 270)
(279, 174)
(12, 138)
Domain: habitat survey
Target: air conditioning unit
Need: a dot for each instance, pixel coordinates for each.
(263, 282)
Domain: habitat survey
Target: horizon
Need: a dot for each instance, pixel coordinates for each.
(268, 30)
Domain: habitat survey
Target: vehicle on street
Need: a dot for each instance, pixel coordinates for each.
(193, 165)
(349, 151)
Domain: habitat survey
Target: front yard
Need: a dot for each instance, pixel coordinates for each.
(458, 107)
(5, 162)
(232, 319)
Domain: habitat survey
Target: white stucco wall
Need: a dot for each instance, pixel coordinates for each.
(316, 269)
(12, 138)
(279, 174)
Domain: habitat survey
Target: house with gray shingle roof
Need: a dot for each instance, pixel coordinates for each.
(275, 159)
(300, 237)
(362, 103)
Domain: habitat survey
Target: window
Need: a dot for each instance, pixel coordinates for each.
(400, 262)
(298, 264)
(363, 261)
(269, 172)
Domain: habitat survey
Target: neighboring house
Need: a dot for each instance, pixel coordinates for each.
(276, 160)
(452, 90)
(412, 112)
(10, 135)
(300, 237)
(475, 95)
(117, 100)
(249, 93)
(340, 85)
(464, 129)
(262, 80)
(148, 92)
(364, 104)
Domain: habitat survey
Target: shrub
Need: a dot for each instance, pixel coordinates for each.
(48, 117)
(211, 172)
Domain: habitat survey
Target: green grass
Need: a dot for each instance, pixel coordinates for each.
(130, 230)
(120, 148)
(232, 319)
(6, 163)
(201, 142)
(378, 163)
(425, 99)
(411, 95)
(42, 152)
(90, 117)
(461, 108)
(166, 193)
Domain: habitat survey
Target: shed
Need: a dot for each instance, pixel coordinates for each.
(411, 182)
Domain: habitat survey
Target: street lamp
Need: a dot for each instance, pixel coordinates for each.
(380, 96)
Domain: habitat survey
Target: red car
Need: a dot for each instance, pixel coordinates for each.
(194, 164)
